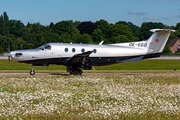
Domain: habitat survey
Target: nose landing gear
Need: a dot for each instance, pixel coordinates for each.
(32, 72)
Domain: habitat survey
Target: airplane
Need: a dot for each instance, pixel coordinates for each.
(85, 56)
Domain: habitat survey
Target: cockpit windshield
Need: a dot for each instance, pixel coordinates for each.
(45, 47)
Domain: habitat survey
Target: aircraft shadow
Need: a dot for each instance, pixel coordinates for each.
(131, 74)
(63, 74)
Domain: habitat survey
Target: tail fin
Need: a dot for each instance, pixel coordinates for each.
(158, 39)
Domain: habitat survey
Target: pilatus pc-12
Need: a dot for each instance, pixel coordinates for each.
(77, 56)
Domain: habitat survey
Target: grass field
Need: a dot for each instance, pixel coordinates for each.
(90, 97)
(143, 66)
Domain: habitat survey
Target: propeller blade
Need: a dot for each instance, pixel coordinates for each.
(9, 52)
(9, 60)
(9, 47)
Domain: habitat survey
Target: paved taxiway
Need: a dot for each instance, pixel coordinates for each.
(99, 74)
(92, 74)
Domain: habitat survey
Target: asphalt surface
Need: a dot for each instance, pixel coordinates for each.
(93, 74)
(99, 74)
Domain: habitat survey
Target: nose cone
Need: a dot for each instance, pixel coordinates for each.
(7, 54)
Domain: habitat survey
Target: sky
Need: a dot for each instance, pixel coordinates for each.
(135, 11)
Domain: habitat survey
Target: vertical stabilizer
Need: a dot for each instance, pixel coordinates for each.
(158, 39)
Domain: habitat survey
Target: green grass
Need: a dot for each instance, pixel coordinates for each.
(140, 66)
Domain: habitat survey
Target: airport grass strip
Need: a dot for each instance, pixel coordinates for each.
(90, 97)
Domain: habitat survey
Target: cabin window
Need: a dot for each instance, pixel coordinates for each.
(82, 50)
(73, 50)
(66, 49)
(94, 51)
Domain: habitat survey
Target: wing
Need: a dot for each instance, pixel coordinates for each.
(78, 58)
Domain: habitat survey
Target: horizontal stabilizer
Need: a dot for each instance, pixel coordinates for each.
(162, 30)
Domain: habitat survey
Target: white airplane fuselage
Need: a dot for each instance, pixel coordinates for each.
(57, 53)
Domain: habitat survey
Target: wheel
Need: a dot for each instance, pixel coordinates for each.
(79, 71)
(71, 72)
(75, 72)
(32, 72)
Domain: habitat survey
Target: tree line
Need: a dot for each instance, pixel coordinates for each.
(34, 35)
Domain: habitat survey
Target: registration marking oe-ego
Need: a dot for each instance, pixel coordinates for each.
(137, 44)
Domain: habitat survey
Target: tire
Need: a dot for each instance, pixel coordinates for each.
(71, 72)
(79, 72)
(32, 72)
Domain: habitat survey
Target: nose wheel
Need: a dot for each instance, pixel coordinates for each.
(32, 72)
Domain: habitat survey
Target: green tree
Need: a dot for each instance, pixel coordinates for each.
(166, 49)
(46, 31)
(1, 50)
(26, 31)
(144, 32)
(1, 25)
(6, 18)
(36, 28)
(76, 23)
(29, 25)
(51, 25)
(65, 27)
(5, 24)
(87, 27)
(177, 26)
(119, 29)
(30, 46)
(31, 41)
(15, 28)
(120, 39)
(65, 38)
(39, 40)
(84, 38)
(103, 26)
(21, 44)
(97, 36)
(1, 21)
(54, 37)
(133, 28)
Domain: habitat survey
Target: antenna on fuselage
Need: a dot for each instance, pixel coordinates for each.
(101, 43)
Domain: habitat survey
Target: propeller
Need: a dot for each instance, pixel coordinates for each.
(9, 53)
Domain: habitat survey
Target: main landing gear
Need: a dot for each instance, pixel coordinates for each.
(74, 70)
(32, 72)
